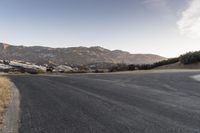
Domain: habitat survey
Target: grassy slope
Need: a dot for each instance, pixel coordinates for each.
(179, 65)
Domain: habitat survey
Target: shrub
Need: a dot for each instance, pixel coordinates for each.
(119, 67)
(191, 57)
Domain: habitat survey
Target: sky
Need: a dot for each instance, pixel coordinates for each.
(164, 27)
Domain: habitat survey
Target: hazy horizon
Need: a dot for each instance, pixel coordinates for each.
(164, 27)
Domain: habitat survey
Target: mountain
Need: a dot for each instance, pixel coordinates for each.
(73, 55)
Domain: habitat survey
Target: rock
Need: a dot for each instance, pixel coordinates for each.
(63, 68)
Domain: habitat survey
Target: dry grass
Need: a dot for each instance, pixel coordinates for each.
(5, 94)
(178, 65)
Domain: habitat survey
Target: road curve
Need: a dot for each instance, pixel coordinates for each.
(110, 103)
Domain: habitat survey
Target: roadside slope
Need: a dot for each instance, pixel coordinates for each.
(5, 95)
(12, 115)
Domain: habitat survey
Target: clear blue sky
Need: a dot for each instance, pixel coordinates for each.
(164, 27)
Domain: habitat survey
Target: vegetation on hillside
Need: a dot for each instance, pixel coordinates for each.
(188, 58)
(124, 67)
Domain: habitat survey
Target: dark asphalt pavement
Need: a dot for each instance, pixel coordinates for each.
(110, 103)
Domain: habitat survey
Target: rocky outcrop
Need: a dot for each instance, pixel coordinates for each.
(63, 69)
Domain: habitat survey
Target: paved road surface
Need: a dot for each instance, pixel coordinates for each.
(110, 103)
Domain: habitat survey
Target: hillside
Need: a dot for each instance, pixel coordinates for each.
(179, 65)
(73, 55)
(190, 60)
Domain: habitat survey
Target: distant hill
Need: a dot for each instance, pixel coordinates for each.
(190, 60)
(73, 55)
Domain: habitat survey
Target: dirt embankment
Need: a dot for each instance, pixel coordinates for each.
(5, 95)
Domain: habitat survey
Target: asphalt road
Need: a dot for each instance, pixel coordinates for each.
(110, 103)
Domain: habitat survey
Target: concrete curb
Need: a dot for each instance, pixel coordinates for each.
(11, 117)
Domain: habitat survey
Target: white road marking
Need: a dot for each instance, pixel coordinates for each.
(196, 77)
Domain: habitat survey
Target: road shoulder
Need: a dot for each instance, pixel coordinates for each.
(11, 117)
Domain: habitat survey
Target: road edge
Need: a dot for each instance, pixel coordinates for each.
(11, 117)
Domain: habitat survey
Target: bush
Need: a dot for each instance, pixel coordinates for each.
(191, 57)
(188, 58)
(119, 67)
(166, 62)
(151, 66)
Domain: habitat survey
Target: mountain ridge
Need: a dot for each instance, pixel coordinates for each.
(73, 55)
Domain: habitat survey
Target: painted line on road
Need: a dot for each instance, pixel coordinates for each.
(196, 77)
